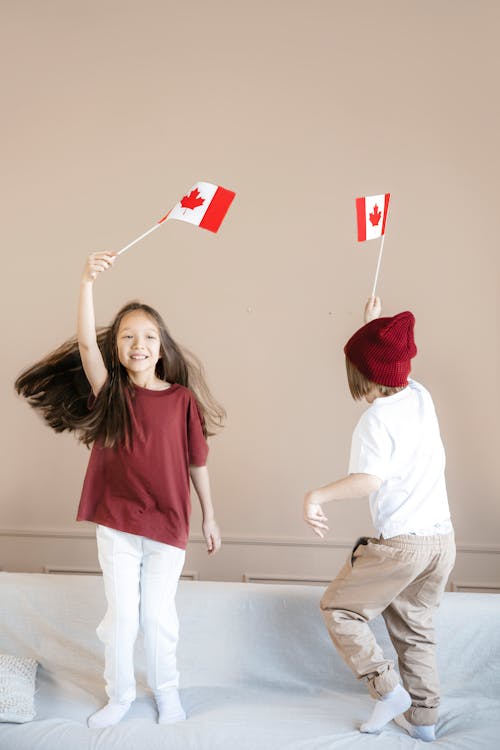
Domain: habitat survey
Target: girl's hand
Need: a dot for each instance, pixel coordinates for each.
(373, 308)
(212, 535)
(314, 515)
(96, 264)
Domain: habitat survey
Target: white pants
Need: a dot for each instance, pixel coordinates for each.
(140, 582)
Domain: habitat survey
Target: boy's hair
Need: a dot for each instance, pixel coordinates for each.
(58, 388)
(383, 349)
(360, 386)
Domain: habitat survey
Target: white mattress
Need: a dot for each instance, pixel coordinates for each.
(258, 671)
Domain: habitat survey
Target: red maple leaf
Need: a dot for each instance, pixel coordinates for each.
(375, 216)
(192, 200)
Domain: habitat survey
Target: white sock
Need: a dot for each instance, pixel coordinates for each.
(386, 708)
(425, 732)
(110, 714)
(169, 706)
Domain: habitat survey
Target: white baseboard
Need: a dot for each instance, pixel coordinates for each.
(475, 588)
(190, 575)
(71, 570)
(284, 579)
(187, 575)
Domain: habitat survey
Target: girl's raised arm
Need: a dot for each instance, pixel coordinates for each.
(92, 360)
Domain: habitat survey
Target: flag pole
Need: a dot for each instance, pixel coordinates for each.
(138, 238)
(378, 265)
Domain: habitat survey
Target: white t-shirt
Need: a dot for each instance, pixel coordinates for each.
(397, 440)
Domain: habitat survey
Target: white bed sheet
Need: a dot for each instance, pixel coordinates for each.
(258, 671)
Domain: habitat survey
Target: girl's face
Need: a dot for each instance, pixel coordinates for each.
(138, 343)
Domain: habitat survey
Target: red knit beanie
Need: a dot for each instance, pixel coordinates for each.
(383, 348)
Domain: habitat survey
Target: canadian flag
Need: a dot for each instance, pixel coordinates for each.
(372, 215)
(205, 205)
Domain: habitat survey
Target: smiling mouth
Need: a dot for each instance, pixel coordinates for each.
(138, 356)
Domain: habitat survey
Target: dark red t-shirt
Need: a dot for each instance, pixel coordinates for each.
(144, 489)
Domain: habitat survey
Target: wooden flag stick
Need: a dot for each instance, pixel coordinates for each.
(378, 265)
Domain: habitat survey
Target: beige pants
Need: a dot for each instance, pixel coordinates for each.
(402, 578)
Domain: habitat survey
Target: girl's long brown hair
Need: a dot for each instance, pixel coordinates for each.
(58, 388)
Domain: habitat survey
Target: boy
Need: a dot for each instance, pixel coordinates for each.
(397, 458)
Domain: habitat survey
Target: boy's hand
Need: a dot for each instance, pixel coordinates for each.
(314, 515)
(373, 308)
(211, 533)
(96, 264)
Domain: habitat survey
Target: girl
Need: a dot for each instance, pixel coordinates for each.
(134, 401)
(398, 459)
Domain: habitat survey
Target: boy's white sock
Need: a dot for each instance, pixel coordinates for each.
(111, 714)
(169, 706)
(424, 732)
(386, 708)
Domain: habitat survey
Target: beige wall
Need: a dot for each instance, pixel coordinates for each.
(112, 108)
